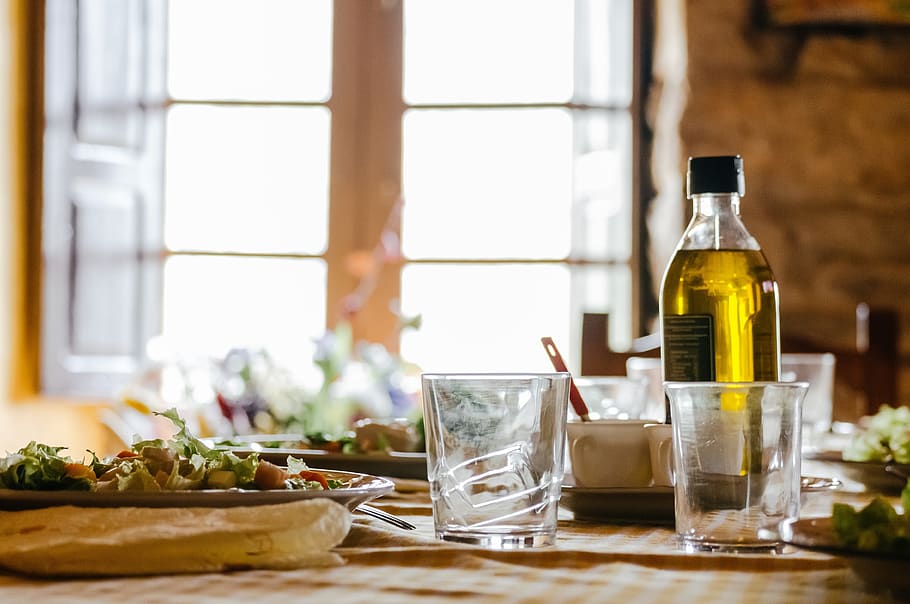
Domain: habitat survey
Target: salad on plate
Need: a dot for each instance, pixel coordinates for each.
(878, 527)
(180, 463)
(885, 437)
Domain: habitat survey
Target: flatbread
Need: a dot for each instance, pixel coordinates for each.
(67, 540)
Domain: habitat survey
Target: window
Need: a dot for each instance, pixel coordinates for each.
(245, 173)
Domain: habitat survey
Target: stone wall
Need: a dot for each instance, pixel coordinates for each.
(822, 120)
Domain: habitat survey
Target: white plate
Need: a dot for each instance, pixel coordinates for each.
(398, 465)
(359, 488)
(651, 505)
(879, 476)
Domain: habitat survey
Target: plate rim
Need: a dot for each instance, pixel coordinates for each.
(828, 484)
(650, 490)
(789, 535)
(836, 456)
(390, 456)
(350, 497)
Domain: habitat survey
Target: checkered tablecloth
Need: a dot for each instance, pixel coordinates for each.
(592, 562)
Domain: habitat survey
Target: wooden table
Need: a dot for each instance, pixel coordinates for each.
(591, 562)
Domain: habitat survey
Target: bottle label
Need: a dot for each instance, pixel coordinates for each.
(688, 342)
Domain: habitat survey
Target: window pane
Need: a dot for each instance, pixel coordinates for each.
(213, 304)
(487, 183)
(110, 68)
(604, 48)
(104, 274)
(603, 186)
(250, 49)
(247, 179)
(492, 52)
(484, 317)
(603, 289)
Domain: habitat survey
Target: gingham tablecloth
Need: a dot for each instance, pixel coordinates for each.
(592, 562)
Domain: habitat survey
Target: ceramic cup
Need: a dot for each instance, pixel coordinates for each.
(660, 445)
(609, 453)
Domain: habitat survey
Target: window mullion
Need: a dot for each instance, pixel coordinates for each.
(366, 163)
(344, 179)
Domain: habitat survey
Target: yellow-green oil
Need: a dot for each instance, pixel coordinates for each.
(737, 289)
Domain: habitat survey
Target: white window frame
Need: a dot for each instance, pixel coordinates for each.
(367, 110)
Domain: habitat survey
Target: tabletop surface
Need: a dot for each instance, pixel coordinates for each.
(591, 562)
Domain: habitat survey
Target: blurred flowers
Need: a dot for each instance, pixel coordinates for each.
(247, 391)
(357, 381)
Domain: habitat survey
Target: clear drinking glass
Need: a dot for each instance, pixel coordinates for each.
(818, 370)
(651, 370)
(737, 461)
(495, 456)
(613, 397)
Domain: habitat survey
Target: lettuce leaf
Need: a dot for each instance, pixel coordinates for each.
(878, 527)
(132, 475)
(885, 437)
(184, 442)
(39, 467)
(244, 469)
(181, 462)
(181, 480)
(205, 458)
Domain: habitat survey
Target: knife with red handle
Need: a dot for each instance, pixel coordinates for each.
(578, 403)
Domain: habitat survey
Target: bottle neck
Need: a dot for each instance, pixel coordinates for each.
(716, 224)
(713, 204)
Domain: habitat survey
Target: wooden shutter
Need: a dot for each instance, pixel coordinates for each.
(102, 231)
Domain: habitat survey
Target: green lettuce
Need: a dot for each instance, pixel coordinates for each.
(39, 467)
(184, 443)
(885, 438)
(243, 468)
(133, 475)
(878, 527)
(204, 458)
(181, 462)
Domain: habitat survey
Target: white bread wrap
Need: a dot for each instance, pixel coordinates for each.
(69, 540)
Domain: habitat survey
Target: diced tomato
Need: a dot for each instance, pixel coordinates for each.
(126, 454)
(315, 477)
(332, 446)
(269, 476)
(78, 470)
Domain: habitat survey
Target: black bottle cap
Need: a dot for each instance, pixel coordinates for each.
(719, 174)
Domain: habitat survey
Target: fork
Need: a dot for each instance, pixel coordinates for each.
(385, 516)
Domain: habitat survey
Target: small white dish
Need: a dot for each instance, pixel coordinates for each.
(647, 505)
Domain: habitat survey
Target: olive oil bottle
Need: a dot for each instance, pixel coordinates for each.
(719, 317)
(719, 299)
